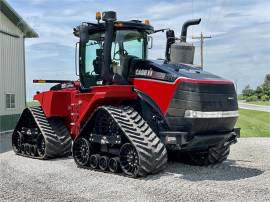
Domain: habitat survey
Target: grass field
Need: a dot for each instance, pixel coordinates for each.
(254, 123)
(266, 103)
(32, 104)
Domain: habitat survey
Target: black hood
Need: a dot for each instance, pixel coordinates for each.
(156, 69)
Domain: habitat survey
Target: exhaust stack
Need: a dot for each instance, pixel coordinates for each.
(182, 51)
(185, 27)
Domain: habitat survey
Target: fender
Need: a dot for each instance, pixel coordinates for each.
(87, 125)
(151, 112)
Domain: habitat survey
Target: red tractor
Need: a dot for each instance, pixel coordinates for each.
(127, 113)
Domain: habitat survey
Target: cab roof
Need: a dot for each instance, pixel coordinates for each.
(132, 24)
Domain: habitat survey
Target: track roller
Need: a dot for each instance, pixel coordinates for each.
(27, 149)
(94, 161)
(23, 149)
(114, 164)
(103, 163)
(41, 147)
(33, 150)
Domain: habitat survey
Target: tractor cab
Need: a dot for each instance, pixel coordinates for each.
(106, 49)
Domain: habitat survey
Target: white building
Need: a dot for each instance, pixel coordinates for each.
(13, 31)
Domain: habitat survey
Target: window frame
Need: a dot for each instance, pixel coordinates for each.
(11, 105)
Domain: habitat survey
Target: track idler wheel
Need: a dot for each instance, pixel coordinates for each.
(114, 164)
(103, 163)
(94, 161)
(17, 140)
(129, 160)
(81, 151)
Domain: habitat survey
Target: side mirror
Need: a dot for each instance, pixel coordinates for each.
(150, 41)
(84, 35)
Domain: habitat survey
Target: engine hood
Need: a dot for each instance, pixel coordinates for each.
(156, 69)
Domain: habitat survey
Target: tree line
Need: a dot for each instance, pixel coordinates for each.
(261, 93)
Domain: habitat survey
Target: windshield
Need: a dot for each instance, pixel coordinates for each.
(126, 43)
(129, 42)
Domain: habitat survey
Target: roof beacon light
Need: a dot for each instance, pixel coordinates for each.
(98, 16)
(147, 22)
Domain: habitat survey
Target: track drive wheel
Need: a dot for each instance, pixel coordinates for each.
(129, 160)
(81, 151)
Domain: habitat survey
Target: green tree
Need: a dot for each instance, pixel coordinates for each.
(266, 85)
(259, 92)
(252, 98)
(262, 92)
(247, 91)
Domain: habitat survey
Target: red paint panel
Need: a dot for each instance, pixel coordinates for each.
(162, 92)
(54, 103)
(102, 95)
(76, 107)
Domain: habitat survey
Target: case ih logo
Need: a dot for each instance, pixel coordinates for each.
(144, 72)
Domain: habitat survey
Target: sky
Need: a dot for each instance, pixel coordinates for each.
(239, 49)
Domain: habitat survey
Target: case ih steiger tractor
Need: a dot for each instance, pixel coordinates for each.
(127, 113)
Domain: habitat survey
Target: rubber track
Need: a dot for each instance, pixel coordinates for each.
(215, 155)
(57, 138)
(152, 152)
(218, 154)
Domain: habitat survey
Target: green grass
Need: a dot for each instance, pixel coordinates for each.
(266, 103)
(32, 104)
(254, 123)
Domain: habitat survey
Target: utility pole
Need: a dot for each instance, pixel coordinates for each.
(201, 37)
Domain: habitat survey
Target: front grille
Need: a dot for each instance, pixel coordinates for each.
(202, 97)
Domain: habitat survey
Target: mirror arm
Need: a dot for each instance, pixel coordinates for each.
(76, 59)
(151, 42)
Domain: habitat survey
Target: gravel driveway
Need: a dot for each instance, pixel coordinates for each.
(245, 176)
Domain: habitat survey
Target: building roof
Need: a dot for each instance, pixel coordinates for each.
(14, 17)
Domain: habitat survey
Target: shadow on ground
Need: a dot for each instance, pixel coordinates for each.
(226, 171)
